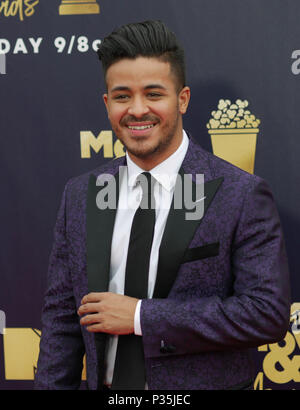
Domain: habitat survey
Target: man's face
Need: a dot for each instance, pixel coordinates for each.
(145, 109)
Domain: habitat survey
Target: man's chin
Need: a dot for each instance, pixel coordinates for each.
(140, 148)
(142, 153)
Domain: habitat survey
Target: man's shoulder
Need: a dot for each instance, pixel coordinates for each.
(80, 182)
(219, 167)
(238, 189)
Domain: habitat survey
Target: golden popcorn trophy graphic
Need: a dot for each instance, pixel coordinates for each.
(233, 131)
(79, 7)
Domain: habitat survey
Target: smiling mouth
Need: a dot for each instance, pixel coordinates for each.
(140, 127)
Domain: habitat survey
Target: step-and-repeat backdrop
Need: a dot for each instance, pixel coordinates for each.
(243, 67)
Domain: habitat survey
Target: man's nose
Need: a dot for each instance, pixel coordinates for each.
(138, 107)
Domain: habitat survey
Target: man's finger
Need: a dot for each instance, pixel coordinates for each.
(92, 297)
(95, 328)
(90, 319)
(88, 308)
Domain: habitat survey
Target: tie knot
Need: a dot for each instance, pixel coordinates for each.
(147, 184)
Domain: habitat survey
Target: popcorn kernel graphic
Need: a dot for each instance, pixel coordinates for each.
(233, 130)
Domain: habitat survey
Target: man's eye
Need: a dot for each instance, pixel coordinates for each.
(121, 97)
(154, 95)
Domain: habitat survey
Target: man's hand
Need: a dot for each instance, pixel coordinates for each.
(108, 312)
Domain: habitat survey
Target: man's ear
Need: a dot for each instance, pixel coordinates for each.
(105, 99)
(184, 99)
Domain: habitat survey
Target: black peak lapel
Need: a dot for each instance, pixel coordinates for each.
(177, 235)
(100, 224)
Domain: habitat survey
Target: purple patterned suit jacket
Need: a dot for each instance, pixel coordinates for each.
(222, 284)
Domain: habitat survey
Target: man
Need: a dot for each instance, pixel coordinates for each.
(155, 299)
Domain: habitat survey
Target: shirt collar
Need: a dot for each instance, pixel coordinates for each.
(165, 172)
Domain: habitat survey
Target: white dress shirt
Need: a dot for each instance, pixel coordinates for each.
(130, 196)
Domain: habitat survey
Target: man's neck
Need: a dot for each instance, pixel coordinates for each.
(155, 159)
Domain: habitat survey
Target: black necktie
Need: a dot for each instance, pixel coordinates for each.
(129, 371)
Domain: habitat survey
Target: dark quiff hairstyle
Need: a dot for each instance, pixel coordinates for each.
(146, 39)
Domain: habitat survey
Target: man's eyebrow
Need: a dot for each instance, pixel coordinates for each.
(147, 87)
(120, 88)
(150, 86)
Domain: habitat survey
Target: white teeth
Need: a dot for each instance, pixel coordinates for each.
(143, 127)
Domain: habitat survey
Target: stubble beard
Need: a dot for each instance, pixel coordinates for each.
(143, 150)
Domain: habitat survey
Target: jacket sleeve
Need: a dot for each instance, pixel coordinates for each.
(257, 312)
(61, 347)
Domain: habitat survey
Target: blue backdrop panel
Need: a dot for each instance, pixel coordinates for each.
(51, 93)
